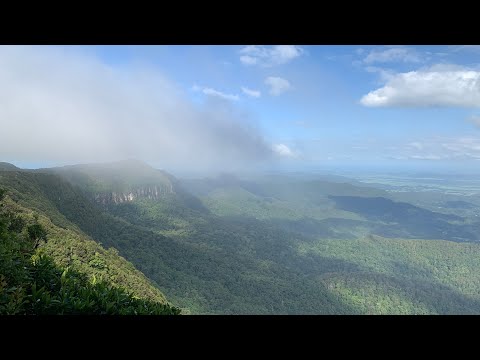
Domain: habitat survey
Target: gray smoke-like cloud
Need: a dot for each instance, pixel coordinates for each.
(64, 105)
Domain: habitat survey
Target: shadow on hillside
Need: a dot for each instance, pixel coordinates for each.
(416, 284)
(436, 298)
(406, 220)
(331, 228)
(226, 265)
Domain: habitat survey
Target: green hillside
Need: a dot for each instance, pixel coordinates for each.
(67, 246)
(251, 247)
(117, 176)
(8, 167)
(402, 276)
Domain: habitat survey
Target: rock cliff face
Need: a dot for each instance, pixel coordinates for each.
(154, 192)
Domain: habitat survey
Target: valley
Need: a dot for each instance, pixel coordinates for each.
(239, 179)
(259, 245)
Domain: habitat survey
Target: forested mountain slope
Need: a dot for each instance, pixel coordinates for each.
(231, 246)
(67, 246)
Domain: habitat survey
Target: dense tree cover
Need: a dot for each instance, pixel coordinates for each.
(316, 206)
(403, 276)
(118, 176)
(400, 219)
(198, 270)
(31, 282)
(253, 248)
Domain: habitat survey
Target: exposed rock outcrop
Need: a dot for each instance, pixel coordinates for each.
(154, 192)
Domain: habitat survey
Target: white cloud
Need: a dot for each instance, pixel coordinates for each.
(285, 53)
(395, 157)
(248, 60)
(472, 48)
(427, 157)
(283, 150)
(432, 148)
(439, 85)
(213, 92)
(441, 148)
(277, 85)
(416, 145)
(250, 92)
(464, 147)
(385, 74)
(394, 54)
(269, 56)
(64, 105)
(373, 69)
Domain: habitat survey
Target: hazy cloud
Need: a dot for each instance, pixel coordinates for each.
(432, 148)
(443, 148)
(471, 48)
(475, 119)
(269, 56)
(63, 105)
(428, 157)
(416, 145)
(393, 54)
(395, 157)
(283, 150)
(251, 93)
(465, 147)
(213, 92)
(277, 85)
(439, 85)
(248, 60)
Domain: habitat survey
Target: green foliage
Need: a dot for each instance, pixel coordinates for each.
(36, 233)
(55, 200)
(17, 223)
(48, 289)
(400, 276)
(32, 283)
(270, 247)
(64, 291)
(282, 272)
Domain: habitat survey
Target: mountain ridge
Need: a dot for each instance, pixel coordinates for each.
(50, 197)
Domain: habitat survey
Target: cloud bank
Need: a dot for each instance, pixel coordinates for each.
(63, 105)
(440, 148)
(440, 85)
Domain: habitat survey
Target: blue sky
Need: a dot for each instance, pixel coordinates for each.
(405, 106)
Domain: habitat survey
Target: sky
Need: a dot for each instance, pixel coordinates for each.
(242, 107)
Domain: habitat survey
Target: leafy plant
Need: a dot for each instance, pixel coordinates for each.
(32, 284)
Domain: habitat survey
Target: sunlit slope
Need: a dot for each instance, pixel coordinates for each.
(270, 250)
(400, 276)
(68, 245)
